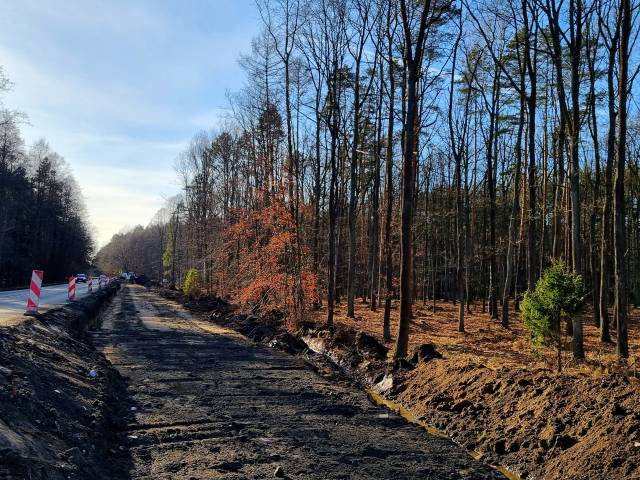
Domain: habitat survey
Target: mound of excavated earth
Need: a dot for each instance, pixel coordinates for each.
(57, 398)
(540, 424)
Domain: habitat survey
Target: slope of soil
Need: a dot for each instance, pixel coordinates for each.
(209, 403)
(539, 424)
(583, 424)
(494, 393)
(57, 398)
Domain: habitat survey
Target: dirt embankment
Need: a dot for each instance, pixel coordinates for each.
(538, 424)
(58, 397)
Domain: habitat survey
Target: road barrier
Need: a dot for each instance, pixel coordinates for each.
(90, 284)
(72, 288)
(34, 292)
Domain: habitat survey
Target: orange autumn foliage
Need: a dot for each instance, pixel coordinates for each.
(269, 263)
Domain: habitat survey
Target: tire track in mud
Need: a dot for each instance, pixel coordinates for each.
(207, 403)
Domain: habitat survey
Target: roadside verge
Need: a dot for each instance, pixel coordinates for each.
(58, 397)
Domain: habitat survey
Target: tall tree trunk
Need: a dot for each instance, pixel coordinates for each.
(530, 59)
(515, 208)
(375, 221)
(622, 347)
(457, 148)
(353, 177)
(595, 276)
(491, 179)
(407, 211)
(388, 248)
(575, 7)
(333, 200)
(413, 61)
(607, 224)
(531, 147)
(317, 185)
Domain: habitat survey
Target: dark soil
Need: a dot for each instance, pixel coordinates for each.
(59, 398)
(209, 403)
(535, 422)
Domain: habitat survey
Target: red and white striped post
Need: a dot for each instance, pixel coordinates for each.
(34, 292)
(72, 288)
(90, 284)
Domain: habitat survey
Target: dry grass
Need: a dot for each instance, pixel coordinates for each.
(485, 340)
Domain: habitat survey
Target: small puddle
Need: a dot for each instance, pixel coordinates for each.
(411, 418)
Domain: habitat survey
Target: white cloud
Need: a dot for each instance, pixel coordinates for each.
(117, 197)
(118, 88)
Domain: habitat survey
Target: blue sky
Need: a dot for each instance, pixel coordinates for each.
(118, 87)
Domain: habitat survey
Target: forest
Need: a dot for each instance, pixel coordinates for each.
(42, 214)
(411, 152)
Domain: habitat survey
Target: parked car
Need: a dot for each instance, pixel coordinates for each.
(81, 278)
(129, 276)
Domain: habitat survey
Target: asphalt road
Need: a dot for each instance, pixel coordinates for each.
(13, 303)
(207, 403)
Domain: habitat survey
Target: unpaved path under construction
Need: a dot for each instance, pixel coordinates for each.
(207, 403)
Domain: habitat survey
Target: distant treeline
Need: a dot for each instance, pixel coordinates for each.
(139, 250)
(42, 215)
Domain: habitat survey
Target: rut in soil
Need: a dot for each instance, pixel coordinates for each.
(208, 403)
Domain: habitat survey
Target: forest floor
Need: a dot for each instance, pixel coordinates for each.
(484, 340)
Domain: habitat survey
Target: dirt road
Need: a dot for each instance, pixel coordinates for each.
(208, 403)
